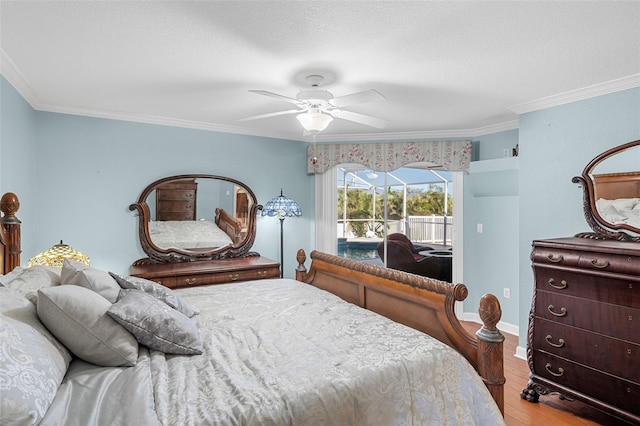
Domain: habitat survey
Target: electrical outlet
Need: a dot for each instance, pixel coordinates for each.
(506, 293)
(479, 228)
(505, 152)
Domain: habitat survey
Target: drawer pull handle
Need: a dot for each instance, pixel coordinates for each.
(190, 281)
(558, 259)
(562, 313)
(262, 274)
(234, 277)
(562, 286)
(558, 374)
(595, 263)
(560, 343)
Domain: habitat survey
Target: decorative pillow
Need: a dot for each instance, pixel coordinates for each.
(155, 324)
(78, 318)
(158, 291)
(77, 273)
(27, 281)
(32, 362)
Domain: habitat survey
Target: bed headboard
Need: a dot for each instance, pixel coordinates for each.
(612, 186)
(9, 233)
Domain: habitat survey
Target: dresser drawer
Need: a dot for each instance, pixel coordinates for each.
(617, 321)
(617, 357)
(607, 388)
(223, 277)
(623, 291)
(168, 195)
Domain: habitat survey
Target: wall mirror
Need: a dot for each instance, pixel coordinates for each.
(196, 217)
(611, 184)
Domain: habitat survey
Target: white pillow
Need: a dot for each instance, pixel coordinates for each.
(32, 362)
(78, 318)
(77, 273)
(27, 281)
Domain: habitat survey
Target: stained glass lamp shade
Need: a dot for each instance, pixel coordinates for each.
(56, 255)
(281, 207)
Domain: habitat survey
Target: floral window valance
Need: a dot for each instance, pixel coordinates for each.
(454, 156)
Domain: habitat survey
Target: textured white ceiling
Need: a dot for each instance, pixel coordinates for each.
(445, 68)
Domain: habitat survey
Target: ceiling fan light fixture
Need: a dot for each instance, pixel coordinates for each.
(314, 122)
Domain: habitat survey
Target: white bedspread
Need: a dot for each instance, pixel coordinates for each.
(279, 352)
(187, 234)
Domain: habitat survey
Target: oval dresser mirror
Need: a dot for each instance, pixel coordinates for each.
(196, 217)
(611, 185)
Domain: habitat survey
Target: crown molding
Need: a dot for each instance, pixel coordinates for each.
(428, 134)
(612, 86)
(17, 80)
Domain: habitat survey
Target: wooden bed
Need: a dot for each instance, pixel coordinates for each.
(9, 233)
(421, 303)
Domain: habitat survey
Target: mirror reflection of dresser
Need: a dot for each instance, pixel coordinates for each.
(584, 326)
(199, 229)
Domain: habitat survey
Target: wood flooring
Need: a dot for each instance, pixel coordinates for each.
(550, 410)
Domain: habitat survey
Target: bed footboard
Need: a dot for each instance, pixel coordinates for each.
(229, 224)
(422, 303)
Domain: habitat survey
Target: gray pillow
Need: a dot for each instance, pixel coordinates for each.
(77, 273)
(158, 291)
(155, 324)
(78, 318)
(32, 362)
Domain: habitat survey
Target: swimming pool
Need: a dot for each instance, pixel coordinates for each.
(357, 249)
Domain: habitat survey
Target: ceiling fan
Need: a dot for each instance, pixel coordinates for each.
(316, 107)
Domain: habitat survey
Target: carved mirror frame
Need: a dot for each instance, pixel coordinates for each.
(602, 229)
(240, 248)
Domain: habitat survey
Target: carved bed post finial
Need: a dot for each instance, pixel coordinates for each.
(490, 342)
(9, 205)
(301, 270)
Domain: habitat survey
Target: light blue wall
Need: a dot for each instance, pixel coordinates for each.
(86, 171)
(17, 153)
(491, 199)
(555, 145)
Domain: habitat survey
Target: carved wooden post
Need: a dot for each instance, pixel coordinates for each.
(9, 205)
(490, 348)
(301, 270)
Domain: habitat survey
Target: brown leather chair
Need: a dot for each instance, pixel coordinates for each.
(403, 256)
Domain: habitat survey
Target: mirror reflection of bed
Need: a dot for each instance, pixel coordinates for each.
(618, 197)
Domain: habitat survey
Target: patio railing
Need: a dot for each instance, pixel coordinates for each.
(425, 229)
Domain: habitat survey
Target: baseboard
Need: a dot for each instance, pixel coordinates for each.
(504, 327)
(521, 353)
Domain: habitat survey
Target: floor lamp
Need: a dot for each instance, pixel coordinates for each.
(281, 207)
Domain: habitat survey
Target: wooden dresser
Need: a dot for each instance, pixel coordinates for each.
(176, 200)
(204, 272)
(584, 325)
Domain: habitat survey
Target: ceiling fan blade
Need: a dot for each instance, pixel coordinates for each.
(277, 96)
(358, 98)
(271, 114)
(367, 120)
